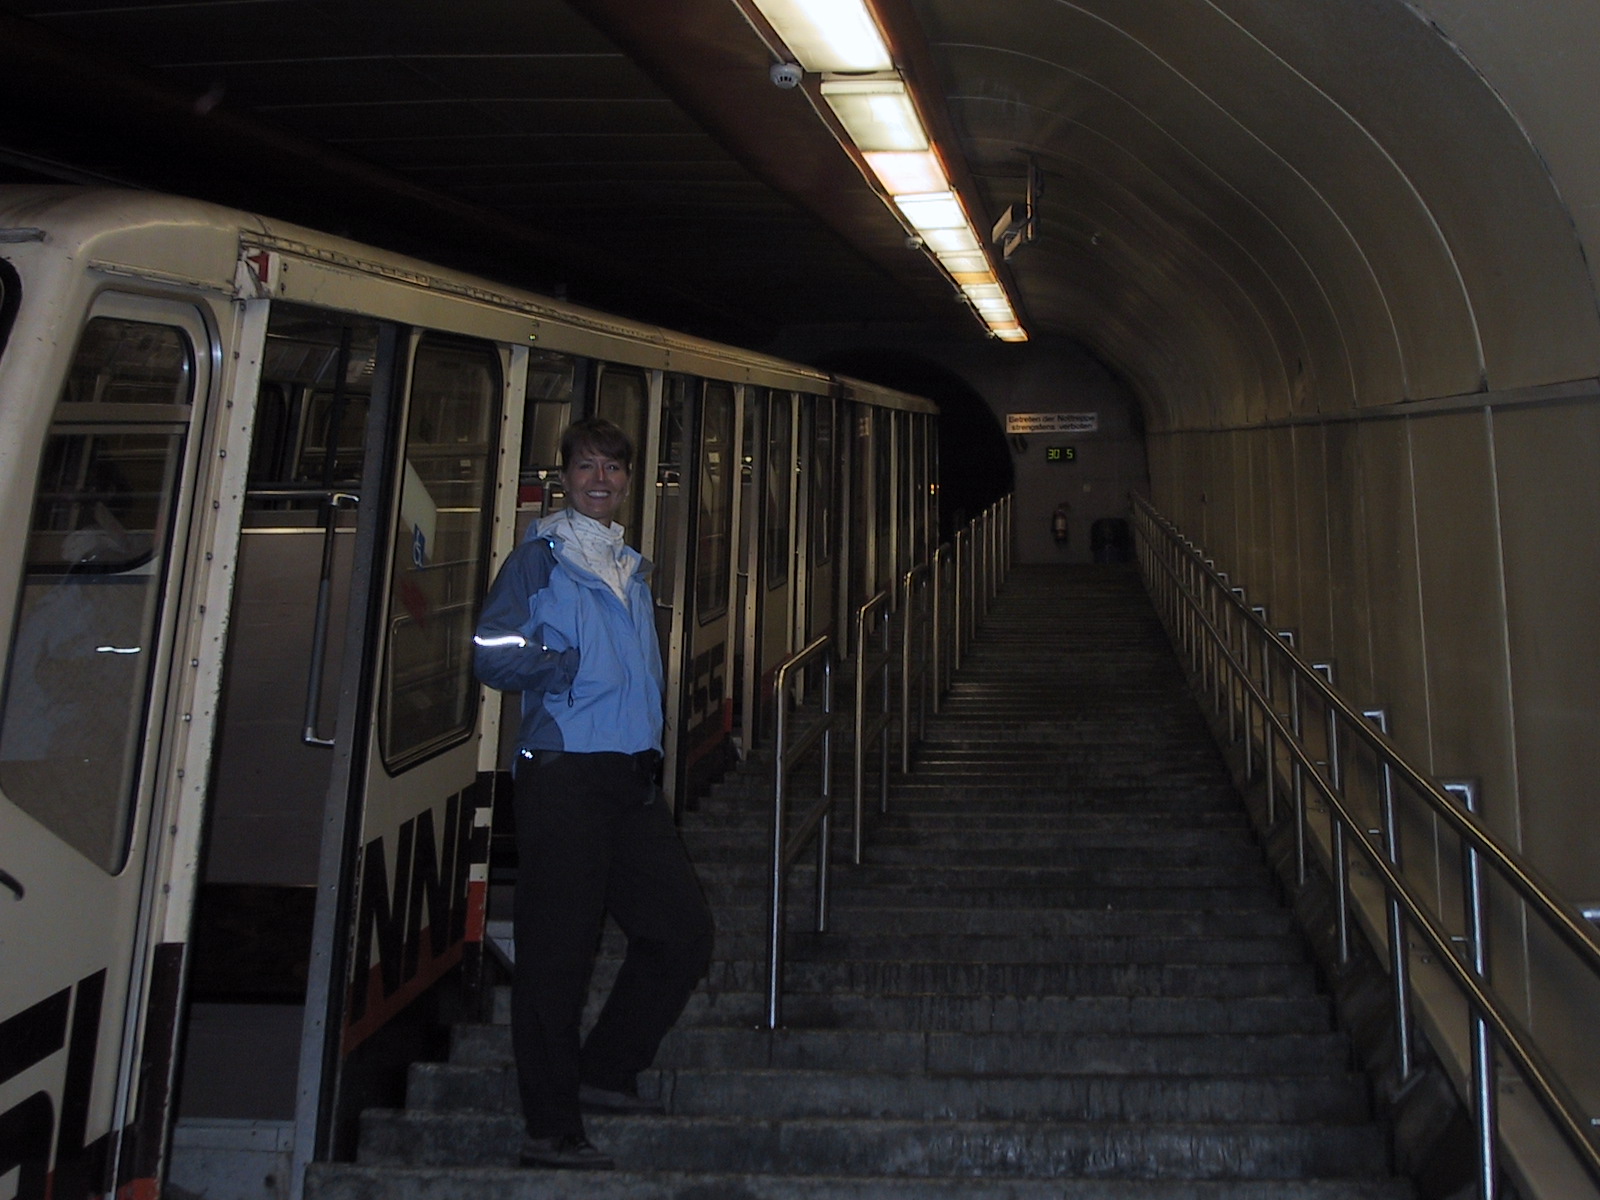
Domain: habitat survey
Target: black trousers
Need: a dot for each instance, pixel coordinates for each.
(594, 837)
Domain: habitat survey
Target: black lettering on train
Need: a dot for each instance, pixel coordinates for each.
(28, 1127)
(428, 878)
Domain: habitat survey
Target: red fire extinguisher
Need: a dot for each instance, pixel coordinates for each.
(1058, 523)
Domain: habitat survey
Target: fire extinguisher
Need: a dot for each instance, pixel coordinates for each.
(1058, 523)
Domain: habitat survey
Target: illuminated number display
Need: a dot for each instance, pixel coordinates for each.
(1057, 454)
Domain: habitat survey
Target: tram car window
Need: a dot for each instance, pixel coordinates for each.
(713, 549)
(549, 394)
(780, 475)
(440, 552)
(669, 489)
(822, 499)
(80, 668)
(623, 398)
(311, 411)
(884, 427)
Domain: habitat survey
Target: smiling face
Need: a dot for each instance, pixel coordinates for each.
(596, 484)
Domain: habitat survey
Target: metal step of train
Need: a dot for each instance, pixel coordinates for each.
(1062, 971)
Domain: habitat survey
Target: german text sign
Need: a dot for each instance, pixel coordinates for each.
(1052, 422)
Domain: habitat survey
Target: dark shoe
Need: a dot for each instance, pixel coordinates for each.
(570, 1151)
(602, 1100)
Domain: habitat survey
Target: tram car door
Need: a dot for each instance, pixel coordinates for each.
(102, 519)
(696, 528)
(767, 608)
(818, 509)
(340, 876)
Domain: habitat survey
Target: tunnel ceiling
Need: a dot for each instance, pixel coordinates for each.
(1253, 209)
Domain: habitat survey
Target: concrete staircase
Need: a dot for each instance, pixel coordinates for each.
(1064, 971)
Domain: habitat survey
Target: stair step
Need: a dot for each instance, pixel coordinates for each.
(1014, 978)
(1001, 1012)
(939, 1051)
(340, 1181)
(773, 1094)
(1102, 1149)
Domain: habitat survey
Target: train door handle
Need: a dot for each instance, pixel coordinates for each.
(9, 881)
(319, 629)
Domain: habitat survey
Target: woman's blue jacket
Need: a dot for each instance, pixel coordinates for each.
(588, 666)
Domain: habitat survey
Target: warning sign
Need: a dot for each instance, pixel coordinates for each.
(1052, 422)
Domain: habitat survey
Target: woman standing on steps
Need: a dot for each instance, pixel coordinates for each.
(569, 622)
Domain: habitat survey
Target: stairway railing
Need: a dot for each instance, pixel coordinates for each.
(788, 844)
(944, 626)
(877, 726)
(916, 672)
(1253, 677)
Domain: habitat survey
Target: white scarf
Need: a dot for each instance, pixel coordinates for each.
(597, 548)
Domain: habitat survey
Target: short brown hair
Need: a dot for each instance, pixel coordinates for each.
(598, 436)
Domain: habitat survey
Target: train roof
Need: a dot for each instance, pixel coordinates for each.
(179, 241)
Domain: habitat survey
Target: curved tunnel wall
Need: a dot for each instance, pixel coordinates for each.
(1345, 253)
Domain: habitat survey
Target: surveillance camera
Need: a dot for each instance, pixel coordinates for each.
(786, 75)
(913, 242)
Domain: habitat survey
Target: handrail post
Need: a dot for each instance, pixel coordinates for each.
(825, 829)
(974, 573)
(1485, 1105)
(778, 842)
(1341, 854)
(1399, 961)
(775, 874)
(1011, 530)
(958, 608)
(1335, 783)
(1239, 647)
(879, 602)
(941, 561)
(1269, 751)
(1296, 724)
(886, 652)
(911, 617)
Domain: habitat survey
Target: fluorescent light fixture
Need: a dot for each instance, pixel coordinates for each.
(907, 171)
(841, 40)
(953, 241)
(828, 35)
(929, 211)
(877, 113)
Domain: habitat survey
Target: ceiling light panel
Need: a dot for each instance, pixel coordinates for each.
(932, 211)
(828, 35)
(876, 113)
(907, 171)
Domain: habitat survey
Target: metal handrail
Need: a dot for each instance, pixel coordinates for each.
(921, 674)
(1212, 624)
(963, 559)
(309, 734)
(941, 659)
(913, 668)
(876, 729)
(786, 846)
